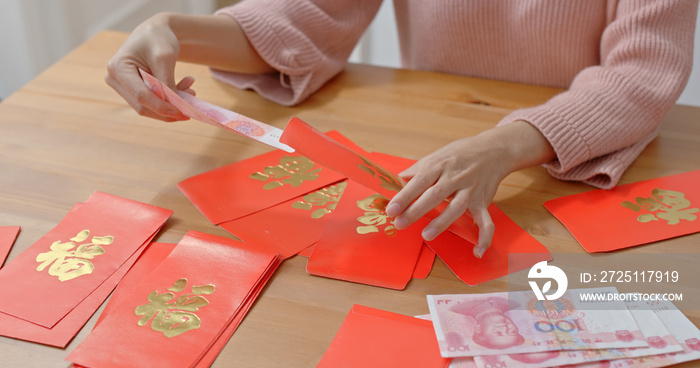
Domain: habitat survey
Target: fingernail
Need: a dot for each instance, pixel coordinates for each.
(429, 234)
(400, 223)
(479, 252)
(392, 209)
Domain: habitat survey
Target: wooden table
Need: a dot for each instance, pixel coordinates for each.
(66, 134)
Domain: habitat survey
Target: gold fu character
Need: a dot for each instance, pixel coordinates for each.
(173, 318)
(68, 261)
(667, 205)
(291, 170)
(326, 198)
(374, 216)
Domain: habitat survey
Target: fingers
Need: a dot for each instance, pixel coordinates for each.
(409, 173)
(426, 191)
(153, 47)
(431, 198)
(486, 230)
(414, 189)
(185, 84)
(127, 82)
(467, 172)
(456, 208)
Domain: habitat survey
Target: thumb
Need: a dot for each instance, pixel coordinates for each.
(164, 70)
(486, 230)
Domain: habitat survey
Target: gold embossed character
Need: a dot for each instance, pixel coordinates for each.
(69, 261)
(374, 216)
(326, 198)
(170, 317)
(667, 205)
(387, 180)
(291, 170)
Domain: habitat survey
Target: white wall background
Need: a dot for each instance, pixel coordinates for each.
(379, 47)
(36, 33)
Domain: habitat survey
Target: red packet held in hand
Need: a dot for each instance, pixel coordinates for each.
(54, 275)
(8, 234)
(174, 315)
(359, 167)
(360, 243)
(509, 238)
(632, 214)
(374, 338)
(308, 141)
(245, 187)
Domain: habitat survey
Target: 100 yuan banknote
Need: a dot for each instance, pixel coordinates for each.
(516, 322)
(659, 338)
(217, 116)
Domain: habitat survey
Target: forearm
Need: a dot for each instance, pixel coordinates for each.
(214, 40)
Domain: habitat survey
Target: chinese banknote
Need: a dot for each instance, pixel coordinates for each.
(516, 329)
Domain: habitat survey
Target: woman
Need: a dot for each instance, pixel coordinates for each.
(624, 63)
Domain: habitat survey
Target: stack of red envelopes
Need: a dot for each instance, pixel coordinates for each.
(183, 312)
(288, 203)
(51, 289)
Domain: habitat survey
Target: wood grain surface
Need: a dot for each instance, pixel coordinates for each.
(66, 134)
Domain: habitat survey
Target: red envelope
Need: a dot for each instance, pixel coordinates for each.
(154, 254)
(213, 352)
(360, 244)
(151, 258)
(8, 234)
(291, 226)
(182, 308)
(345, 141)
(632, 214)
(306, 252)
(374, 338)
(317, 146)
(66, 329)
(464, 226)
(509, 239)
(251, 185)
(426, 258)
(358, 167)
(56, 273)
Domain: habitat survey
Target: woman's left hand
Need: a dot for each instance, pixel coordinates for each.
(467, 172)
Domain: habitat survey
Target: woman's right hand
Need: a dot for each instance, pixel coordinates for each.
(155, 48)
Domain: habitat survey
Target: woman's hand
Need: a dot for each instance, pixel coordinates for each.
(158, 43)
(467, 172)
(153, 47)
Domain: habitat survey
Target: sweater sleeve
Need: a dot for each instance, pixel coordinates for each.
(306, 41)
(611, 111)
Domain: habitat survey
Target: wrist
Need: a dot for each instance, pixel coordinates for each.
(523, 144)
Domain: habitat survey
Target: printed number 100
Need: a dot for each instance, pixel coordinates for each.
(561, 325)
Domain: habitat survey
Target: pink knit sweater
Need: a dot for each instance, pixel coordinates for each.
(624, 62)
